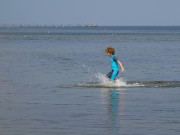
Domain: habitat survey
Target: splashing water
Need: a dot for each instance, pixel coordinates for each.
(104, 81)
(100, 80)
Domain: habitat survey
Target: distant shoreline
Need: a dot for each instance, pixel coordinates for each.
(80, 25)
(47, 25)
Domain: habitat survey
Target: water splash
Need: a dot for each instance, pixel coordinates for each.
(104, 81)
(100, 80)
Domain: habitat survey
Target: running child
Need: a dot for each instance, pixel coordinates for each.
(114, 65)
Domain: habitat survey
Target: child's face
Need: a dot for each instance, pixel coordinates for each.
(109, 54)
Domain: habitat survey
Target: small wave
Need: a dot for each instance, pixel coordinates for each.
(133, 84)
(128, 84)
(156, 83)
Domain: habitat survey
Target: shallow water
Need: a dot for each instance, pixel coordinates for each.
(51, 81)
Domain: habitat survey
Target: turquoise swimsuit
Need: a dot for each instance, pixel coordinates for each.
(114, 65)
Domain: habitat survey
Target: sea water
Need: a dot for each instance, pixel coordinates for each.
(52, 81)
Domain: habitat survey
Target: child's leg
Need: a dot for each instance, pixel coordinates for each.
(114, 74)
(116, 80)
(109, 75)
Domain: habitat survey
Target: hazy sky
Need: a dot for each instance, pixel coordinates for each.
(100, 12)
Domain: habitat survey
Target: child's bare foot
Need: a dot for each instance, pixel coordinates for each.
(111, 82)
(116, 81)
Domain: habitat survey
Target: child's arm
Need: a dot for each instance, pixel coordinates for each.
(120, 64)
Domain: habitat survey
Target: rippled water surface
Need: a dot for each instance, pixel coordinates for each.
(52, 81)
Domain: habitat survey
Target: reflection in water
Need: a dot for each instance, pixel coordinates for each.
(115, 110)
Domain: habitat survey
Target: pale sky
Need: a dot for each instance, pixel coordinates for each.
(100, 12)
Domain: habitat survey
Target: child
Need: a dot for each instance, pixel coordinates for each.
(114, 65)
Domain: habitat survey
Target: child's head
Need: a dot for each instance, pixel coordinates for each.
(110, 51)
